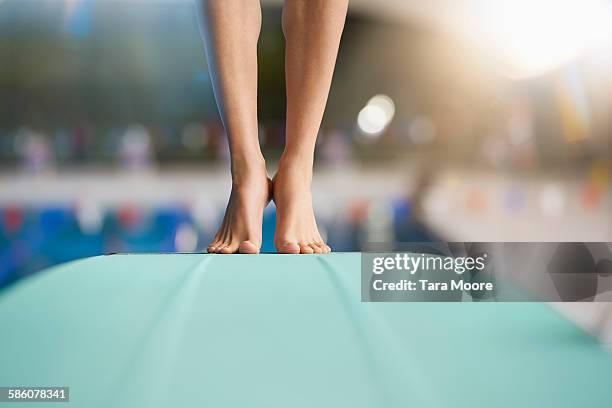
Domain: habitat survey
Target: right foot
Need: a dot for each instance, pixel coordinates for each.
(240, 231)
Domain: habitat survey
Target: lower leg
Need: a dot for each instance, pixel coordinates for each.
(230, 29)
(312, 30)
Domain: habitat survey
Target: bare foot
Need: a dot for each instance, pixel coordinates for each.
(240, 231)
(296, 227)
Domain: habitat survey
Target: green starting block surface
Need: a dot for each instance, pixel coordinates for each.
(281, 331)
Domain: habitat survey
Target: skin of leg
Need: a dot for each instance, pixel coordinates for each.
(312, 29)
(230, 29)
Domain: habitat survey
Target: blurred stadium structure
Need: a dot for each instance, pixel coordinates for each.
(463, 120)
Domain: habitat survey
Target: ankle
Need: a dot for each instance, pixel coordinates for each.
(298, 162)
(244, 169)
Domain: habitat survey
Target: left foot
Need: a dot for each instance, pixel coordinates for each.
(296, 227)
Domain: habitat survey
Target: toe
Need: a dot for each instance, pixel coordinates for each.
(230, 249)
(324, 248)
(212, 248)
(248, 247)
(327, 248)
(315, 248)
(305, 249)
(288, 248)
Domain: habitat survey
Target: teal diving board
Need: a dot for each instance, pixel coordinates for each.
(198, 330)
